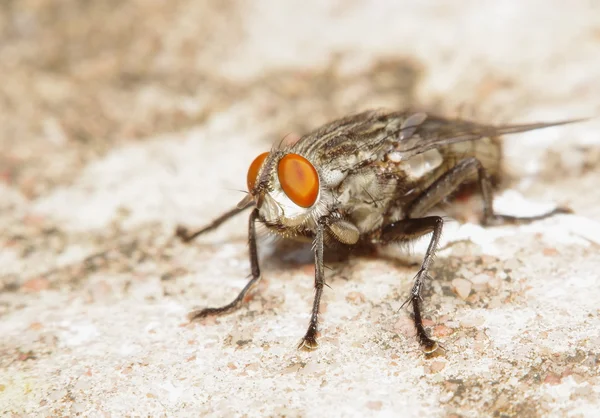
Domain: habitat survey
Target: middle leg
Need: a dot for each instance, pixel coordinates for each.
(407, 230)
(416, 225)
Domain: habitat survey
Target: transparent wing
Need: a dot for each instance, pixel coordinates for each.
(420, 134)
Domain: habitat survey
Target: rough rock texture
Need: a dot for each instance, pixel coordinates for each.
(120, 120)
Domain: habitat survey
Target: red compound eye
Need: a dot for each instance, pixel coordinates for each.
(299, 180)
(254, 169)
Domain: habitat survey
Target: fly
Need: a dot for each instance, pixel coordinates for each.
(369, 179)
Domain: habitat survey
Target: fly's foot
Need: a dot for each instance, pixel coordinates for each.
(199, 314)
(182, 233)
(230, 307)
(562, 210)
(309, 341)
(428, 345)
(308, 344)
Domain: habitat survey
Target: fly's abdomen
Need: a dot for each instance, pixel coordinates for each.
(419, 172)
(487, 150)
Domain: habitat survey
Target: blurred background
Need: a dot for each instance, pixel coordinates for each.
(121, 119)
(80, 77)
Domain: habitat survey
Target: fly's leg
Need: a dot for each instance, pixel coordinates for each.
(255, 269)
(408, 230)
(455, 177)
(186, 236)
(309, 341)
(416, 226)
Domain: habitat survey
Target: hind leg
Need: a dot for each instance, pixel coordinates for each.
(454, 178)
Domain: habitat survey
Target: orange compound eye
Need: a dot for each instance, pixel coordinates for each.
(299, 180)
(254, 169)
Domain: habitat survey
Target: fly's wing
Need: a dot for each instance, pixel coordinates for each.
(351, 142)
(435, 132)
(358, 140)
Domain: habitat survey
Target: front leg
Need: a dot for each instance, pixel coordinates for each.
(255, 271)
(309, 341)
(186, 235)
(408, 230)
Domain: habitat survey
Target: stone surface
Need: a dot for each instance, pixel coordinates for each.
(120, 120)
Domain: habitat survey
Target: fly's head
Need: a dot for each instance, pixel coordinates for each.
(286, 189)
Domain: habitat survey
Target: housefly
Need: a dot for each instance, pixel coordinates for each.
(369, 179)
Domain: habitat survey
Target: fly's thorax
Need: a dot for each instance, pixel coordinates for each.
(487, 150)
(422, 170)
(289, 190)
(366, 195)
(418, 166)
